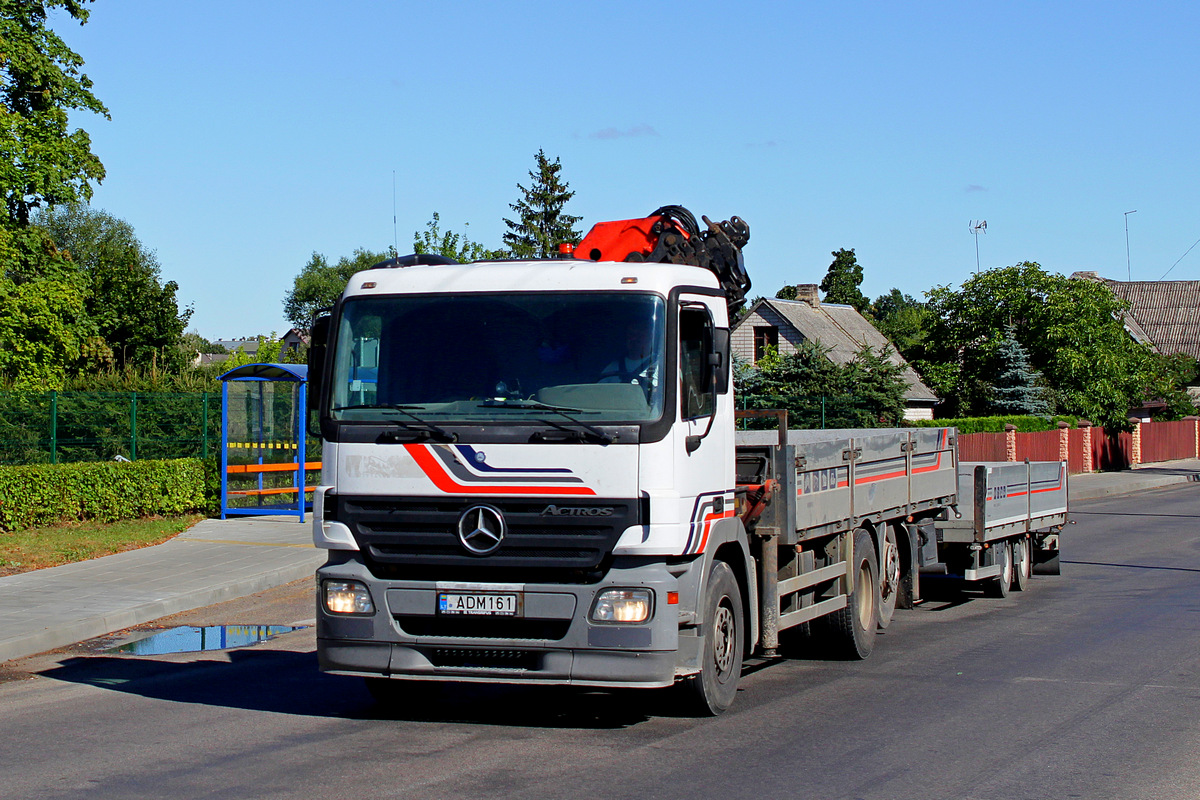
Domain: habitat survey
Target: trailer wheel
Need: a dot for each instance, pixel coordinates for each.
(1023, 568)
(1045, 562)
(714, 688)
(999, 585)
(889, 578)
(852, 629)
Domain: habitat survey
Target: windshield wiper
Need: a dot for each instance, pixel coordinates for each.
(427, 427)
(564, 411)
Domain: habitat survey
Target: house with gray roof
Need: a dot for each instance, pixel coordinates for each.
(1163, 314)
(784, 324)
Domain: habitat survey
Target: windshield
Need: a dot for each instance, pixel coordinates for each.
(500, 358)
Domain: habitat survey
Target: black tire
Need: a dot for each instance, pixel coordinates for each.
(999, 585)
(1045, 562)
(851, 630)
(889, 576)
(1023, 568)
(713, 689)
(386, 691)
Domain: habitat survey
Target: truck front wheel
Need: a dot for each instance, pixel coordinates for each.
(713, 689)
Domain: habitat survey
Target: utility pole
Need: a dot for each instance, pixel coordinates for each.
(1128, 271)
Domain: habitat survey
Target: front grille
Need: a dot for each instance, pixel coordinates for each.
(524, 660)
(401, 537)
(486, 628)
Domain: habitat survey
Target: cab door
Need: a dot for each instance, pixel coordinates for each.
(704, 436)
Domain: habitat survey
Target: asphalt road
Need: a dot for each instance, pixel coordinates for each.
(1085, 686)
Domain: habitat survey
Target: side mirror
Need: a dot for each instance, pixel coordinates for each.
(719, 360)
(319, 337)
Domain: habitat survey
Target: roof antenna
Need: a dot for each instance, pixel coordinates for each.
(977, 228)
(395, 230)
(1128, 269)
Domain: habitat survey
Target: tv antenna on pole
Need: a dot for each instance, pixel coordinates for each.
(1128, 271)
(977, 228)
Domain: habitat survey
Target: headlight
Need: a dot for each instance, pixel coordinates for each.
(622, 605)
(347, 597)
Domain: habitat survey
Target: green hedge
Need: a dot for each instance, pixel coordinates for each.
(995, 424)
(45, 494)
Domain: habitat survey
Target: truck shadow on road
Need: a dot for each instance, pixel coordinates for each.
(287, 682)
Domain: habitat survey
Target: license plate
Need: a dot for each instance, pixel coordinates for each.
(507, 604)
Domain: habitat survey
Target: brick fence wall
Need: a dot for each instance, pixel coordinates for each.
(1088, 448)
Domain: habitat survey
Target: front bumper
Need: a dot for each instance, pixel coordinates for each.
(552, 643)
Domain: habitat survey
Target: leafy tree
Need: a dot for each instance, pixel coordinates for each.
(541, 224)
(270, 351)
(1071, 330)
(136, 317)
(41, 332)
(905, 322)
(449, 244)
(40, 82)
(320, 284)
(787, 293)
(842, 280)
(1018, 387)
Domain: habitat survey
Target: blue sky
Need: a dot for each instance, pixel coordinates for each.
(247, 135)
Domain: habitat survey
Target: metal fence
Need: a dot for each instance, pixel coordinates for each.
(814, 411)
(62, 427)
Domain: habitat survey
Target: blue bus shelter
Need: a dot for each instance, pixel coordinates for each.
(263, 456)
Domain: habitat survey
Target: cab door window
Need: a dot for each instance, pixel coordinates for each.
(695, 345)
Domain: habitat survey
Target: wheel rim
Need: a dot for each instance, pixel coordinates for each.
(891, 568)
(724, 639)
(1006, 569)
(865, 598)
(1026, 559)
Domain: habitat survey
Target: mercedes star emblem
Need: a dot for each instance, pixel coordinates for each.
(481, 529)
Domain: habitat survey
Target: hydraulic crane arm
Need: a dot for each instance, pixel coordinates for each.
(670, 235)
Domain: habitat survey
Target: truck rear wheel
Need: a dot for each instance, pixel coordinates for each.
(851, 630)
(714, 688)
(889, 578)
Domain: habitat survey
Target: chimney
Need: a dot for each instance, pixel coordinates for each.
(808, 293)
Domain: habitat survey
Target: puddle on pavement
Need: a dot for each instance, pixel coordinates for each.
(190, 639)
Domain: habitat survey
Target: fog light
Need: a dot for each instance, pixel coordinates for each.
(347, 597)
(622, 605)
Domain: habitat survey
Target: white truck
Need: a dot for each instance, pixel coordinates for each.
(533, 474)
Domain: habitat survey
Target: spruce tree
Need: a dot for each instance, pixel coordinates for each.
(841, 282)
(1018, 386)
(541, 224)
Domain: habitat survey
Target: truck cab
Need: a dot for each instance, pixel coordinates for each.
(529, 475)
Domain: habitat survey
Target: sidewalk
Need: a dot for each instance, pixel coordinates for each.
(221, 560)
(215, 560)
(1139, 479)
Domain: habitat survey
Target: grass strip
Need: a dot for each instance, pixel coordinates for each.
(52, 546)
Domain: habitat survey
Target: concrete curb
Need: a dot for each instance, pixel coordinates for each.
(1128, 487)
